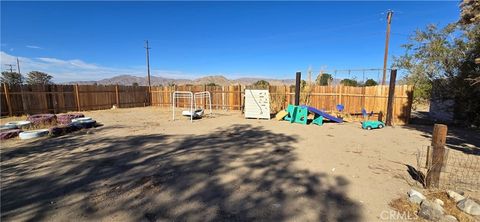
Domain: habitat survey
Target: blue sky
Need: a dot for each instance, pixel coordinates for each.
(95, 40)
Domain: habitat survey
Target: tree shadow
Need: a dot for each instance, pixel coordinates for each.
(238, 173)
(458, 138)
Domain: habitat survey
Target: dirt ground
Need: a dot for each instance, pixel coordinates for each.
(142, 166)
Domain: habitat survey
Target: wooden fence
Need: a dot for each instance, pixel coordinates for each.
(32, 99)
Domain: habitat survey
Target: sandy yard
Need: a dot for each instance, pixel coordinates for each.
(141, 166)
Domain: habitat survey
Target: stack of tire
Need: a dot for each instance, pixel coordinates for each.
(65, 119)
(12, 129)
(70, 123)
(67, 123)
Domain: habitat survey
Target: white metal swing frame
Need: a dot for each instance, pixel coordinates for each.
(183, 95)
(193, 100)
(203, 95)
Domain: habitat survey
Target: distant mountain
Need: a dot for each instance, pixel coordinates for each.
(156, 80)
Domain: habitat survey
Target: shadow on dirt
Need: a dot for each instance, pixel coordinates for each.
(239, 173)
(458, 138)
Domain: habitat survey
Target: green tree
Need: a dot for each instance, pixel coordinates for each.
(349, 82)
(36, 77)
(432, 54)
(303, 84)
(262, 84)
(324, 79)
(445, 56)
(135, 84)
(370, 82)
(12, 78)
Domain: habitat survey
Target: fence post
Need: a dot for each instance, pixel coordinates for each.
(7, 97)
(240, 97)
(439, 137)
(297, 88)
(77, 97)
(391, 94)
(117, 96)
(340, 93)
(364, 98)
(204, 100)
(24, 100)
(45, 93)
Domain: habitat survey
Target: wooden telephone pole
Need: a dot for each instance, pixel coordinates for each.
(385, 57)
(18, 66)
(148, 71)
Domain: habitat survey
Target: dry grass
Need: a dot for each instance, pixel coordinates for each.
(450, 206)
(402, 205)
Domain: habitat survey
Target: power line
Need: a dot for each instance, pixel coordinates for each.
(11, 66)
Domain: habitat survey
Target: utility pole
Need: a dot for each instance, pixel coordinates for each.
(148, 71)
(11, 66)
(18, 66)
(385, 57)
(148, 65)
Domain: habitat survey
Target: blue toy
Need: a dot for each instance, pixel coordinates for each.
(340, 107)
(372, 124)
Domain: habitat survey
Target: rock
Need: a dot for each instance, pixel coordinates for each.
(415, 199)
(439, 202)
(469, 206)
(455, 196)
(430, 210)
(448, 218)
(415, 196)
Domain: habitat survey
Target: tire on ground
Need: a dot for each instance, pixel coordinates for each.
(81, 119)
(7, 134)
(85, 123)
(18, 124)
(8, 127)
(62, 129)
(33, 134)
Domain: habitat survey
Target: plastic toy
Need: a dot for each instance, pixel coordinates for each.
(324, 114)
(297, 114)
(372, 124)
(300, 114)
